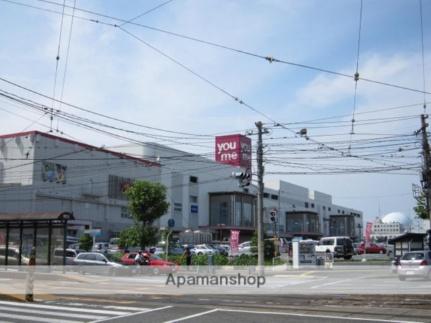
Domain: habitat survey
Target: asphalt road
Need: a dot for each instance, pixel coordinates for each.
(309, 281)
(121, 311)
(361, 293)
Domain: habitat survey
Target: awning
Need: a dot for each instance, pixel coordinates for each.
(36, 216)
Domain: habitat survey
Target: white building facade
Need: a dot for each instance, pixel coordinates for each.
(41, 172)
(203, 195)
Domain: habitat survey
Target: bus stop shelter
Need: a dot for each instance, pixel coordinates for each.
(46, 232)
(408, 242)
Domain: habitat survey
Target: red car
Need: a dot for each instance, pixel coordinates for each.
(371, 248)
(157, 264)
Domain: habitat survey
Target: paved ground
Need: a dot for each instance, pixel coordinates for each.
(65, 311)
(362, 293)
(341, 280)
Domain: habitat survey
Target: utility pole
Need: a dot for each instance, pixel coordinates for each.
(260, 188)
(426, 172)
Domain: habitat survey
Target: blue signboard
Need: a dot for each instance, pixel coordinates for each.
(171, 223)
(194, 209)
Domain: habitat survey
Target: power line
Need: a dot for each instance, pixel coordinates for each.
(57, 60)
(423, 52)
(67, 56)
(355, 95)
(269, 59)
(97, 113)
(145, 13)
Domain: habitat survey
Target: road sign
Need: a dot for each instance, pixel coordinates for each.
(171, 223)
(94, 232)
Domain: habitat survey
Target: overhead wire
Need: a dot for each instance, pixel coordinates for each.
(145, 13)
(67, 59)
(269, 59)
(356, 79)
(57, 61)
(422, 52)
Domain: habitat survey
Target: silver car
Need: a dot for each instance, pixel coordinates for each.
(96, 263)
(415, 264)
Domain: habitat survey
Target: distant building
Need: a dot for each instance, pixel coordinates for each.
(204, 196)
(390, 226)
(40, 172)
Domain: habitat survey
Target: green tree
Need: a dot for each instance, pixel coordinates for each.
(147, 203)
(268, 246)
(86, 242)
(129, 237)
(421, 207)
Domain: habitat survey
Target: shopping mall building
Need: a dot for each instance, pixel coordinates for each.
(40, 172)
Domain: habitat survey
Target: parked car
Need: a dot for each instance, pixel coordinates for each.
(156, 264)
(371, 248)
(70, 256)
(356, 248)
(341, 247)
(245, 248)
(202, 249)
(97, 263)
(415, 264)
(220, 249)
(102, 247)
(113, 245)
(13, 256)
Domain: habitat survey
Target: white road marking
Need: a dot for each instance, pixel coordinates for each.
(134, 314)
(46, 312)
(63, 308)
(330, 283)
(316, 316)
(192, 316)
(33, 318)
(125, 308)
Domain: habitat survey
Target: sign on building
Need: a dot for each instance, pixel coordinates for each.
(234, 150)
(52, 172)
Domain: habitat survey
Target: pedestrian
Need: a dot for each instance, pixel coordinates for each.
(188, 255)
(139, 258)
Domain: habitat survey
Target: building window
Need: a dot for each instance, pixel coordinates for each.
(329, 209)
(312, 205)
(125, 213)
(306, 204)
(178, 207)
(293, 206)
(274, 197)
(266, 195)
(193, 179)
(324, 208)
(193, 199)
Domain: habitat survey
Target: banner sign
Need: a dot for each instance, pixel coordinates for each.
(368, 230)
(233, 150)
(234, 241)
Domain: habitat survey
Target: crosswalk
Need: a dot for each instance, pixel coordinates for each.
(64, 313)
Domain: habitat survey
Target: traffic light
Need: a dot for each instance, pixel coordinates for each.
(273, 214)
(244, 178)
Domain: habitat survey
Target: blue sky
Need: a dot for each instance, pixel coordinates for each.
(112, 73)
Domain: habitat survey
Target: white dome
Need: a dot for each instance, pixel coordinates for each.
(397, 217)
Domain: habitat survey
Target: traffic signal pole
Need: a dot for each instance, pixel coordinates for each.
(260, 188)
